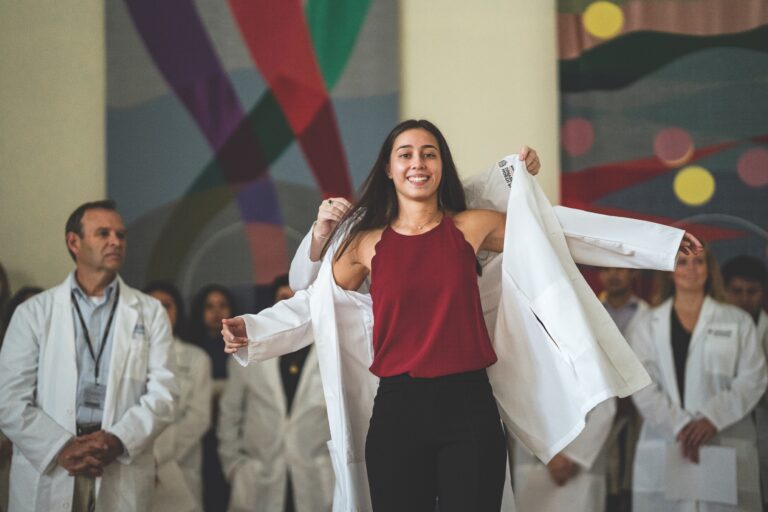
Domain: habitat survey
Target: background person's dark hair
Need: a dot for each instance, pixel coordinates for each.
(75, 220)
(745, 267)
(181, 320)
(277, 283)
(196, 324)
(377, 206)
(24, 293)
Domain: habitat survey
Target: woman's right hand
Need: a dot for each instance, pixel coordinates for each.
(234, 334)
(329, 213)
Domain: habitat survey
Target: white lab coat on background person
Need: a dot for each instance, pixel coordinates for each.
(761, 412)
(178, 449)
(549, 330)
(725, 377)
(259, 443)
(536, 491)
(38, 384)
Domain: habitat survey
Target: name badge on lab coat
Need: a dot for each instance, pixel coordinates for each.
(93, 395)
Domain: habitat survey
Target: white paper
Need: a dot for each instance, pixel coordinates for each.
(712, 479)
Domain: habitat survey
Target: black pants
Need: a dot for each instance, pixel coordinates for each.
(436, 440)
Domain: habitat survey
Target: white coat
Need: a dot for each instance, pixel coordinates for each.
(259, 443)
(38, 387)
(178, 449)
(761, 411)
(725, 377)
(576, 361)
(536, 491)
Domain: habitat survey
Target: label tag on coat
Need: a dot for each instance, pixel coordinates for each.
(93, 395)
(507, 171)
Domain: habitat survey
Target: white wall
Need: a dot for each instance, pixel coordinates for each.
(484, 72)
(51, 130)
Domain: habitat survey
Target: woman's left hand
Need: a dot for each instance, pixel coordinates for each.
(531, 159)
(690, 244)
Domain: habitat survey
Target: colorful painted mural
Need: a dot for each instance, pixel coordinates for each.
(229, 121)
(664, 110)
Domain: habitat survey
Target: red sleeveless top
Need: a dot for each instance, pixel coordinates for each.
(427, 317)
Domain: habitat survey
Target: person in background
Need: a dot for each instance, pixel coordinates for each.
(178, 450)
(6, 447)
(86, 380)
(625, 308)
(708, 374)
(745, 281)
(273, 431)
(209, 306)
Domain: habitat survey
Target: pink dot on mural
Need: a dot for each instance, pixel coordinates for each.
(753, 167)
(578, 136)
(673, 146)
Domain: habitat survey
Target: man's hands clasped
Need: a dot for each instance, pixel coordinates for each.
(89, 454)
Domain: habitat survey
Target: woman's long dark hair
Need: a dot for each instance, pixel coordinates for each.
(169, 288)
(196, 327)
(378, 207)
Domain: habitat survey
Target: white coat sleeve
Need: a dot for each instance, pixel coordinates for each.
(284, 328)
(608, 241)
(37, 435)
(196, 417)
(231, 419)
(303, 271)
(142, 422)
(587, 446)
(655, 406)
(746, 389)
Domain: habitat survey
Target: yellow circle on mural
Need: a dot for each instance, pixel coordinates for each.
(694, 185)
(603, 19)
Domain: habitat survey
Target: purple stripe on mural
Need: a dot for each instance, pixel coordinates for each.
(175, 37)
(257, 201)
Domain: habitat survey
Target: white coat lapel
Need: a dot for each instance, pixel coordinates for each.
(128, 329)
(662, 327)
(702, 324)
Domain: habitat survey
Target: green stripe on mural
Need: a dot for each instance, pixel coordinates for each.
(210, 193)
(334, 26)
(626, 59)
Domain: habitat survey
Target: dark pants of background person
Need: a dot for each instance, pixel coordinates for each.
(436, 440)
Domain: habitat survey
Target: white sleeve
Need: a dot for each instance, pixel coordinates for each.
(38, 436)
(608, 241)
(303, 271)
(653, 403)
(284, 328)
(155, 410)
(587, 446)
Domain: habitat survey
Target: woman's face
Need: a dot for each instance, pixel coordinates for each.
(415, 166)
(216, 308)
(168, 303)
(690, 274)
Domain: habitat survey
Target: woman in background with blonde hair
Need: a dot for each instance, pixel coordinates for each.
(708, 373)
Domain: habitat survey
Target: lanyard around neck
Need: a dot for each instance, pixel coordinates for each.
(96, 357)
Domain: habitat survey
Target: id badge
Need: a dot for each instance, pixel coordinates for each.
(93, 396)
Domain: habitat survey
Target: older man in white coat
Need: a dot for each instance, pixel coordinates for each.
(86, 381)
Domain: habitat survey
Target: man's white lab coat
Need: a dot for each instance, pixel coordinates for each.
(725, 376)
(38, 388)
(559, 353)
